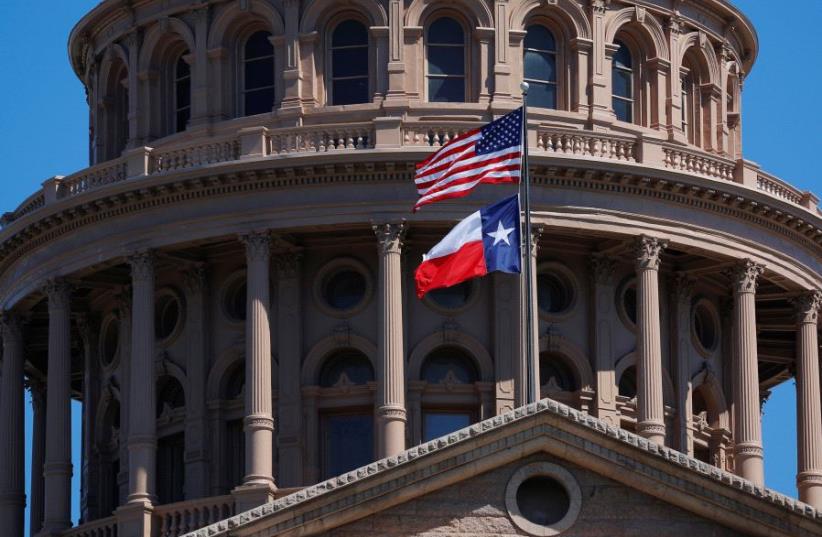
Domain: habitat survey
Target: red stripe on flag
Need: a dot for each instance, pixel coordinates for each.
(466, 263)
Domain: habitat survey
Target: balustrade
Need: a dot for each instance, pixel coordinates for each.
(423, 135)
(97, 176)
(105, 527)
(180, 518)
(702, 164)
(196, 155)
(778, 189)
(587, 144)
(320, 139)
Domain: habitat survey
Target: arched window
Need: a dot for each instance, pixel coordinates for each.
(540, 64)
(233, 442)
(628, 383)
(449, 402)
(555, 374)
(182, 93)
(258, 74)
(446, 61)
(349, 63)
(346, 425)
(171, 444)
(116, 126)
(622, 79)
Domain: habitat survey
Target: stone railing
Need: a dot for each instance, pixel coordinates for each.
(34, 202)
(587, 144)
(180, 518)
(778, 188)
(91, 178)
(214, 152)
(105, 527)
(427, 135)
(320, 139)
(699, 163)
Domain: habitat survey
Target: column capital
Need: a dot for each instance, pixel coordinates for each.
(745, 275)
(807, 307)
(195, 280)
(85, 327)
(683, 288)
(536, 235)
(602, 269)
(390, 236)
(648, 252)
(142, 266)
(11, 325)
(257, 245)
(58, 291)
(599, 6)
(287, 265)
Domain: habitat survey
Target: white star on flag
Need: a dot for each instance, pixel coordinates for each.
(501, 234)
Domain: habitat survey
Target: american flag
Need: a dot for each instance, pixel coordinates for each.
(491, 154)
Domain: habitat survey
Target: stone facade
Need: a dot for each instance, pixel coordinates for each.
(228, 287)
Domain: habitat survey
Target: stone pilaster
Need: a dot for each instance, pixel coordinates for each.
(602, 314)
(507, 344)
(682, 295)
(196, 435)
(38, 454)
(391, 413)
(312, 435)
(808, 411)
(91, 392)
(12, 465)
(650, 405)
(258, 483)
(57, 468)
(396, 48)
(289, 353)
(199, 70)
(533, 333)
(600, 112)
(748, 455)
(142, 434)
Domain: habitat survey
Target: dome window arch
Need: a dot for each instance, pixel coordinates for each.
(257, 74)
(181, 89)
(446, 61)
(623, 83)
(349, 61)
(540, 64)
(116, 122)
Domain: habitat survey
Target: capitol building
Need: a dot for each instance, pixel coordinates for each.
(228, 288)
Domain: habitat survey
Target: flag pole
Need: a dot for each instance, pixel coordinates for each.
(529, 276)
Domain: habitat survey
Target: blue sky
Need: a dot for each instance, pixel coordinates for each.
(44, 132)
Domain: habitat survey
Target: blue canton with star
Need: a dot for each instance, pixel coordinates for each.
(500, 236)
(501, 134)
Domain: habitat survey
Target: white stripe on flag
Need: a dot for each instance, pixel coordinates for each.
(469, 230)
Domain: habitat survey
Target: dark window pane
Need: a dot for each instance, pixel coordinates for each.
(555, 373)
(627, 383)
(350, 62)
(353, 91)
(166, 316)
(347, 442)
(446, 90)
(345, 289)
(453, 297)
(183, 92)
(182, 119)
(446, 31)
(235, 447)
(236, 295)
(554, 293)
(623, 110)
(446, 60)
(623, 84)
(351, 367)
(349, 33)
(437, 424)
(258, 46)
(542, 95)
(448, 364)
(542, 500)
(622, 57)
(540, 38)
(541, 66)
(259, 73)
(183, 69)
(258, 102)
(171, 468)
(630, 298)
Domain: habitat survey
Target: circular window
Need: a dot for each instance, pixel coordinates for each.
(234, 299)
(110, 341)
(343, 287)
(627, 303)
(705, 327)
(454, 298)
(167, 315)
(543, 499)
(556, 293)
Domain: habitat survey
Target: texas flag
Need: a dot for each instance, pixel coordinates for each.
(487, 241)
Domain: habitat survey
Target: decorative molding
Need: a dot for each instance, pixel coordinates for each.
(390, 236)
(142, 266)
(807, 307)
(683, 288)
(58, 291)
(257, 246)
(602, 269)
(745, 276)
(287, 265)
(648, 252)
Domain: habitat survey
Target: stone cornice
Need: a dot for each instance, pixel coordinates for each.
(543, 426)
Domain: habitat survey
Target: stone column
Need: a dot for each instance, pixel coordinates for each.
(602, 297)
(809, 411)
(651, 407)
(57, 468)
(292, 74)
(681, 346)
(12, 465)
(91, 392)
(289, 353)
(258, 483)
(748, 460)
(38, 453)
(142, 434)
(391, 414)
(196, 433)
(536, 234)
